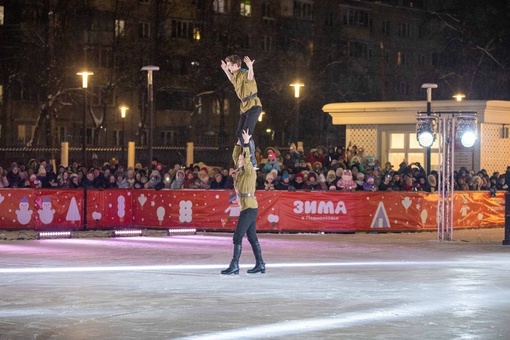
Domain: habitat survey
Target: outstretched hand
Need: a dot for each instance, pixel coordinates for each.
(224, 66)
(248, 62)
(246, 136)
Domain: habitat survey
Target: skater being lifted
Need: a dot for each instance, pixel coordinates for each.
(246, 89)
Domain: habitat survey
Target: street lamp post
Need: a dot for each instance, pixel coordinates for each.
(297, 86)
(150, 92)
(429, 88)
(85, 76)
(123, 110)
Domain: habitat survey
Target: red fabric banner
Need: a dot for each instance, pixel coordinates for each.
(279, 211)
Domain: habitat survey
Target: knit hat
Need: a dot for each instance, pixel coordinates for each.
(180, 173)
(203, 175)
(322, 178)
(299, 175)
(332, 175)
(339, 172)
(14, 165)
(285, 176)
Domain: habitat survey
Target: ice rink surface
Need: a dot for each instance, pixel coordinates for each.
(317, 286)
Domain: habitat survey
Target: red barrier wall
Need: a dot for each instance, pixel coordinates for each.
(279, 211)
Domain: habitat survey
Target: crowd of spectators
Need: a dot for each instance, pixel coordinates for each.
(335, 168)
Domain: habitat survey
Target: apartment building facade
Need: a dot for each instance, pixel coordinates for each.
(340, 50)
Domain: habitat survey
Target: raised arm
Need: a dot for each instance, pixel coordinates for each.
(249, 64)
(224, 67)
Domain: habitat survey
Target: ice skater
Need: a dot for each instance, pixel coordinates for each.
(244, 185)
(245, 87)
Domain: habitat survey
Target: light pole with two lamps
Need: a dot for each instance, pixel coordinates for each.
(451, 126)
(150, 92)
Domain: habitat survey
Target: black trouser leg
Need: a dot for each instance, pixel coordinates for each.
(248, 121)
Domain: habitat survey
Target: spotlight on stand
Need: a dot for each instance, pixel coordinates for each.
(466, 129)
(426, 129)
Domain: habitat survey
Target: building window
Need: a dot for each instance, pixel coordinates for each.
(220, 6)
(404, 146)
(196, 33)
(101, 57)
(358, 18)
(267, 43)
(386, 26)
(359, 50)
(25, 133)
(144, 30)
(217, 109)
(1, 93)
(404, 30)
(303, 10)
(268, 15)
(1, 15)
(403, 59)
(168, 137)
(184, 29)
(245, 8)
(117, 137)
(119, 28)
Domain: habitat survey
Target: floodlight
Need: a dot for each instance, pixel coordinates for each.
(426, 130)
(467, 129)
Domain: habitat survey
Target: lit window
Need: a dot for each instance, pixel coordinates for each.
(196, 33)
(119, 28)
(25, 133)
(245, 9)
(1, 15)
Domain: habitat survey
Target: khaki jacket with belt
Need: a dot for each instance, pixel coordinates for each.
(245, 180)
